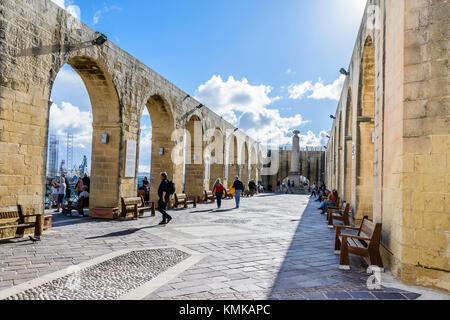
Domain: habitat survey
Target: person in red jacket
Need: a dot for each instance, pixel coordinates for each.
(218, 191)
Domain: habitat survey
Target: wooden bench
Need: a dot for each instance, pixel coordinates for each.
(147, 205)
(81, 204)
(209, 196)
(338, 214)
(184, 200)
(130, 205)
(228, 195)
(337, 206)
(16, 220)
(365, 244)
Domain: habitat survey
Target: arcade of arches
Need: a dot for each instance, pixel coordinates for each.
(389, 148)
(389, 151)
(187, 137)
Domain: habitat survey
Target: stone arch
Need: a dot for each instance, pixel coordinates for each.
(339, 154)
(254, 171)
(163, 126)
(365, 128)
(244, 159)
(232, 158)
(194, 157)
(348, 146)
(106, 157)
(215, 150)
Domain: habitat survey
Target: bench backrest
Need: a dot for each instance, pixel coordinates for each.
(180, 196)
(131, 201)
(11, 216)
(371, 231)
(347, 209)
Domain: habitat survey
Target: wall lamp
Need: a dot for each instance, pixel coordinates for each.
(332, 117)
(344, 72)
(200, 106)
(100, 40)
(236, 129)
(328, 137)
(188, 96)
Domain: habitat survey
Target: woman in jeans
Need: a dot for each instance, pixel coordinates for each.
(218, 191)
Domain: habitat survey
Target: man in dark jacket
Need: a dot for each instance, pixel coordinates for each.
(239, 188)
(164, 197)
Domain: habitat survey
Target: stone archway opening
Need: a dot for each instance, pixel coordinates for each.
(215, 152)
(365, 131)
(145, 154)
(244, 167)
(162, 145)
(339, 156)
(348, 148)
(194, 179)
(104, 132)
(254, 171)
(232, 161)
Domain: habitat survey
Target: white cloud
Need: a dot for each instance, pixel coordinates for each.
(246, 106)
(289, 71)
(71, 9)
(311, 140)
(70, 119)
(69, 77)
(98, 14)
(317, 90)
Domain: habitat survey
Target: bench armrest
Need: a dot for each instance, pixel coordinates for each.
(355, 237)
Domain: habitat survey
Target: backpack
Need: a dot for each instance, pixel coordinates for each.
(171, 187)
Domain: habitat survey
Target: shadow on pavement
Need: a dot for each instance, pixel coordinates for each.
(123, 233)
(310, 267)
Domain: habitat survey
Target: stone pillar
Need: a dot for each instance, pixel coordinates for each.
(295, 156)
(195, 166)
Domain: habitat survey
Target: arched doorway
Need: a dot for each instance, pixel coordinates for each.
(106, 131)
(194, 159)
(365, 129)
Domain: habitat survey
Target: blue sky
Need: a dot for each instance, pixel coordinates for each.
(267, 66)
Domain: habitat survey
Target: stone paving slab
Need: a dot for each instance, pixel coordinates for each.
(273, 247)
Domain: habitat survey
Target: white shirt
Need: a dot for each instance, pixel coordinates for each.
(62, 188)
(84, 194)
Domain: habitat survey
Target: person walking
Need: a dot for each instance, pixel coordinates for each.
(239, 187)
(164, 197)
(218, 190)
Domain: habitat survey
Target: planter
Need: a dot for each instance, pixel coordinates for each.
(104, 213)
(47, 222)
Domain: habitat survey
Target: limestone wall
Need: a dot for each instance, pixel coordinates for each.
(403, 141)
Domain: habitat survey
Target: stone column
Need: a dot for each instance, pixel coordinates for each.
(295, 157)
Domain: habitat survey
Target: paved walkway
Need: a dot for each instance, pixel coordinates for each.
(273, 247)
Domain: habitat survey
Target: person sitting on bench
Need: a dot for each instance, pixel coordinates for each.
(85, 195)
(331, 202)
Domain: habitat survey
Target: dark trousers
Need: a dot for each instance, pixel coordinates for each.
(162, 208)
(219, 199)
